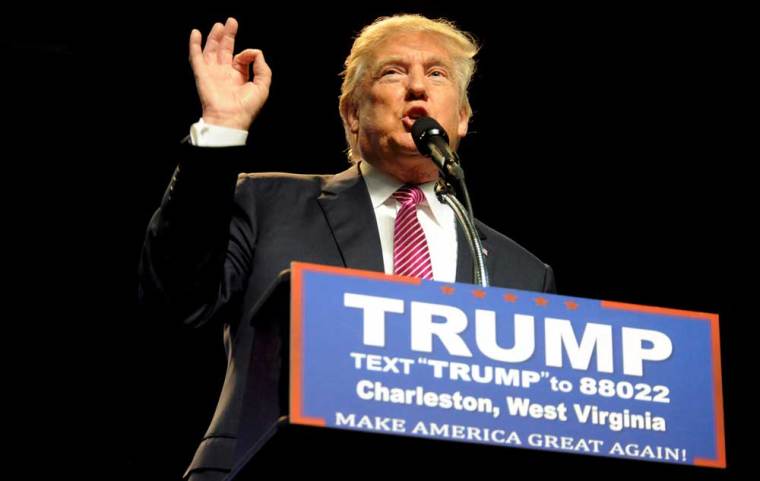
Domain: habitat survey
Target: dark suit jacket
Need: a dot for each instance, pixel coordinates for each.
(215, 245)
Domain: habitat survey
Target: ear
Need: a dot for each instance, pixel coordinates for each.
(464, 122)
(352, 117)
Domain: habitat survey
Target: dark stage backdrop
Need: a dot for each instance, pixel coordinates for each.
(604, 140)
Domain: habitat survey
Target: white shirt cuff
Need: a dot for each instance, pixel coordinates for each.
(207, 135)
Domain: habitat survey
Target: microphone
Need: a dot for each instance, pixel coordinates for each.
(431, 140)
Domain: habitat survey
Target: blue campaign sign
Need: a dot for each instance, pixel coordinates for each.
(504, 367)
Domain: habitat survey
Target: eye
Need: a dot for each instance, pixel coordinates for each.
(389, 71)
(438, 73)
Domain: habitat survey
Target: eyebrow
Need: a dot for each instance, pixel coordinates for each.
(435, 60)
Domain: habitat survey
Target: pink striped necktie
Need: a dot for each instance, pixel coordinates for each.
(410, 250)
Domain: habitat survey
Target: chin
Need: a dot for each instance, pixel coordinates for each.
(409, 150)
(413, 155)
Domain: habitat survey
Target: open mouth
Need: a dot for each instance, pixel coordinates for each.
(411, 116)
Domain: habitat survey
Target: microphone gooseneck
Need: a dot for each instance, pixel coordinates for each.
(432, 141)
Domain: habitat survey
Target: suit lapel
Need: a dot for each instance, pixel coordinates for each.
(464, 256)
(348, 210)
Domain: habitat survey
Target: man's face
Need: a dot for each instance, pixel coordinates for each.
(411, 76)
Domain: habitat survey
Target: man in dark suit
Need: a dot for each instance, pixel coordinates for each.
(219, 240)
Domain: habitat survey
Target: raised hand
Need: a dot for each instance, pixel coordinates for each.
(229, 97)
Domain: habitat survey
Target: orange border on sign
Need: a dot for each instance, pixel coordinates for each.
(296, 347)
(713, 319)
(296, 328)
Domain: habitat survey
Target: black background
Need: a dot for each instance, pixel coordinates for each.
(605, 140)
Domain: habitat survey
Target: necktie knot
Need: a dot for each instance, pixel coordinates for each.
(409, 195)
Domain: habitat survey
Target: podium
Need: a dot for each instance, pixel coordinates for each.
(324, 407)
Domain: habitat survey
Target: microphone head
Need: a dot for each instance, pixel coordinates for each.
(423, 129)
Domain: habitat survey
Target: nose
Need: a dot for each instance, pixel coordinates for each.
(416, 88)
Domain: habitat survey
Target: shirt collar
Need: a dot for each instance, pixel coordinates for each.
(381, 187)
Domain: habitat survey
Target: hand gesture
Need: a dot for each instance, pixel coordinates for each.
(229, 97)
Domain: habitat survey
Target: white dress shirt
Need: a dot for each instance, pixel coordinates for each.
(436, 219)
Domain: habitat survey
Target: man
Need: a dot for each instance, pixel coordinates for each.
(214, 246)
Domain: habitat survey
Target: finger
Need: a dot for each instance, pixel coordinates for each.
(227, 45)
(196, 54)
(262, 74)
(211, 50)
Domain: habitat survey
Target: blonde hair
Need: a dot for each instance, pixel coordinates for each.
(461, 45)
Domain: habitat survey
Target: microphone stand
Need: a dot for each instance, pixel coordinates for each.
(446, 194)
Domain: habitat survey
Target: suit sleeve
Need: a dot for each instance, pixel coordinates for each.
(197, 247)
